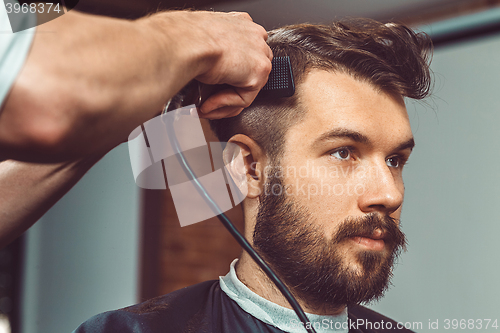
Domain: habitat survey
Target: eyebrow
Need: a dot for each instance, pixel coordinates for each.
(358, 137)
(409, 144)
(343, 133)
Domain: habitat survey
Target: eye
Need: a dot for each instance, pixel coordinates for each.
(394, 162)
(343, 154)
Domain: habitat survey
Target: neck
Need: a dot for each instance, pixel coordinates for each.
(250, 274)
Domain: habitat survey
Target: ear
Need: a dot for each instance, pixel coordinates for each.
(246, 161)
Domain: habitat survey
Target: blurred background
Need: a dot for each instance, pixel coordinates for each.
(108, 244)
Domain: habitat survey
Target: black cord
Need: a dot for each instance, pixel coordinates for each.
(230, 227)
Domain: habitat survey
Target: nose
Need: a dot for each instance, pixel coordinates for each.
(383, 190)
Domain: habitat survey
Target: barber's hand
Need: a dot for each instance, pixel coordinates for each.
(238, 56)
(244, 64)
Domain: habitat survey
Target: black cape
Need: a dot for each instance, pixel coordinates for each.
(206, 308)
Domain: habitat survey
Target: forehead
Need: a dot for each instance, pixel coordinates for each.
(337, 100)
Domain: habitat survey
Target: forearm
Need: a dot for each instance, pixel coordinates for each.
(89, 81)
(28, 190)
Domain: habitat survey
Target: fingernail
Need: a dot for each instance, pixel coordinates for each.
(203, 109)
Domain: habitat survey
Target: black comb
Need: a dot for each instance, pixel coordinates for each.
(280, 82)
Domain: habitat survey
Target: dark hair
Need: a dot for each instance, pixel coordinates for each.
(390, 56)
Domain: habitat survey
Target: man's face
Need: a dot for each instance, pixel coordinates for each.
(328, 219)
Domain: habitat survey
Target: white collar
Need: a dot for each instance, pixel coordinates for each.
(276, 315)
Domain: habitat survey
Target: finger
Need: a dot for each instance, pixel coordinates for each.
(262, 31)
(224, 112)
(231, 97)
(270, 55)
(235, 113)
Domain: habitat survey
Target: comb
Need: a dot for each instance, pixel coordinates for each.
(280, 82)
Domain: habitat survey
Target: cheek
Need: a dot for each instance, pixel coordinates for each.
(330, 195)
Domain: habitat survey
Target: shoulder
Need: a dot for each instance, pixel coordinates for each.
(176, 311)
(194, 295)
(362, 319)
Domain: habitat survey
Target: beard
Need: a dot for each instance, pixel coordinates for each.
(317, 269)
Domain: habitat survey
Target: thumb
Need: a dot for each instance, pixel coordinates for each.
(231, 98)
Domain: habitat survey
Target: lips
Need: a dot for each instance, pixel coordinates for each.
(371, 232)
(374, 241)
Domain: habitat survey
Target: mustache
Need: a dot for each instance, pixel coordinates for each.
(367, 224)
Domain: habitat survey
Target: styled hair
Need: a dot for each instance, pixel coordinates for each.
(391, 57)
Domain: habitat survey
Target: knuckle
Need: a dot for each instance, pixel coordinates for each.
(265, 68)
(268, 66)
(257, 83)
(260, 75)
(246, 16)
(263, 32)
(243, 15)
